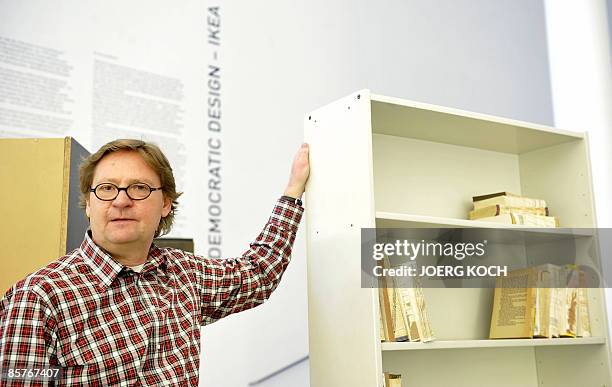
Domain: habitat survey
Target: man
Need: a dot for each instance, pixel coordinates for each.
(121, 311)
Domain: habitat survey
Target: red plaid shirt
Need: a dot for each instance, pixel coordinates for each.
(108, 325)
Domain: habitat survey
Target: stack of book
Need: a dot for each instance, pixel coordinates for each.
(542, 301)
(403, 313)
(508, 208)
(392, 380)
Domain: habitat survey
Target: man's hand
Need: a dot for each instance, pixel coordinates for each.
(300, 170)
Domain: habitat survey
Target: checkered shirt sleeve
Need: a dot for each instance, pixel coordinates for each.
(235, 284)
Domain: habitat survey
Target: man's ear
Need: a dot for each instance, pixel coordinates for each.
(87, 210)
(167, 206)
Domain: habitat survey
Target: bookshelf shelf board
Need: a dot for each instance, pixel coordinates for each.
(462, 344)
(404, 118)
(399, 220)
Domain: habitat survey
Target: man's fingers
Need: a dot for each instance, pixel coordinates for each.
(300, 170)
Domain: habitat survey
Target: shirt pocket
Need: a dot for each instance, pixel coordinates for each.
(107, 344)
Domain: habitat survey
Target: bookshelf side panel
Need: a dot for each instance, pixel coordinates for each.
(343, 325)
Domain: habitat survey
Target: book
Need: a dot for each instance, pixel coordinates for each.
(416, 316)
(419, 326)
(507, 199)
(541, 301)
(514, 305)
(523, 220)
(392, 380)
(412, 319)
(386, 330)
(403, 313)
(545, 321)
(571, 278)
(583, 326)
(393, 314)
(498, 209)
(391, 323)
(400, 330)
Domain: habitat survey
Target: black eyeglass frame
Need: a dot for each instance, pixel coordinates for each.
(119, 189)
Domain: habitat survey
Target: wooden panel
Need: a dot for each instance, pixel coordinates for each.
(343, 322)
(32, 175)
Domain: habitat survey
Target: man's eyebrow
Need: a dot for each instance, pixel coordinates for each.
(130, 181)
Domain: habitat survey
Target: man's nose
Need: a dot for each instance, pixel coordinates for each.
(122, 200)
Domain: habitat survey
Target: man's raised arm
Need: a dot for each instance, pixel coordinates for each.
(233, 285)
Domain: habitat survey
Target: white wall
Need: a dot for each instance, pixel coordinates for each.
(580, 68)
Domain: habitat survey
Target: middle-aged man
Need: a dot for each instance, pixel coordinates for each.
(121, 311)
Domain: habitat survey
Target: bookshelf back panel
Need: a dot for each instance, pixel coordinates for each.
(561, 175)
(459, 314)
(430, 178)
(500, 367)
(422, 121)
(464, 313)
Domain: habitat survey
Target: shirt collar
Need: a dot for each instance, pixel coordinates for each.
(106, 268)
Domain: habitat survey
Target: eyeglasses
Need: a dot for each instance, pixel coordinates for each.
(135, 191)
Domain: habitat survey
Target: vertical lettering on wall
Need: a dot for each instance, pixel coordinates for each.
(213, 125)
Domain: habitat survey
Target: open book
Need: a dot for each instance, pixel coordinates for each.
(542, 301)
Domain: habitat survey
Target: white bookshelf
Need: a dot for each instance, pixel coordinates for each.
(384, 162)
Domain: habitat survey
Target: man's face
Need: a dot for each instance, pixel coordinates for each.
(122, 222)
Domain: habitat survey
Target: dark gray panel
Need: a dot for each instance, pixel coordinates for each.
(77, 221)
(185, 244)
